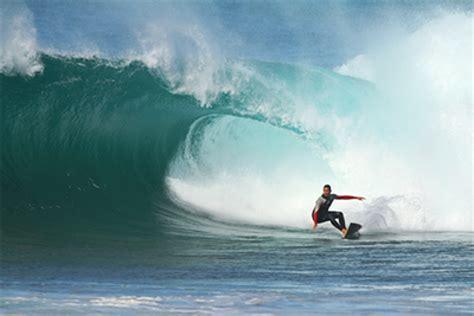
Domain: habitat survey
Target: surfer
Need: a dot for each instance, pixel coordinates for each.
(321, 212)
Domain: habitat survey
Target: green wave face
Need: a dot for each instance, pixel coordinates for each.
(87, 141)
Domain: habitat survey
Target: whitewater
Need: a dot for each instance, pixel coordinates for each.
(174, 168)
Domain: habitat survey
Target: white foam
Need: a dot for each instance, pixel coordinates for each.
(127, 301)
(360, 67)
(18, 46)
(424, 146)
(184, 55)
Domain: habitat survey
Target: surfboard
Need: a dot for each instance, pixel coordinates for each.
(353, 231)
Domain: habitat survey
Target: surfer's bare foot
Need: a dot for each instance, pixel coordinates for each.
(344, 231)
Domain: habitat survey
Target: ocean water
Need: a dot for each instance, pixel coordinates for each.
(261, 271)
(165, 157)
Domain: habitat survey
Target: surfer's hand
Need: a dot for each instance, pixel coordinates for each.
(361, 198)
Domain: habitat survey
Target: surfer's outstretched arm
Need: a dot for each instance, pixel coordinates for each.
(350, 197)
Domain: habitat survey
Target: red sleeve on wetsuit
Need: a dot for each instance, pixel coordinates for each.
(315, 216)
(346, 197)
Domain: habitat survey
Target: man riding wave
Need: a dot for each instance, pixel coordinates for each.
(321, 212)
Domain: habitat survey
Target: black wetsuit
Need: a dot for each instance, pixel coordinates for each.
(323, 213)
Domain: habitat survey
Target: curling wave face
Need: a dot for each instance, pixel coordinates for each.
(93, 142)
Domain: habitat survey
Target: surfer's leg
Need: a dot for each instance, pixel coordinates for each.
(340, 215)
(332, 217)
(342, 223)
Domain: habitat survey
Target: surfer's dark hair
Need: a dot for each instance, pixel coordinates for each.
(327, 186)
